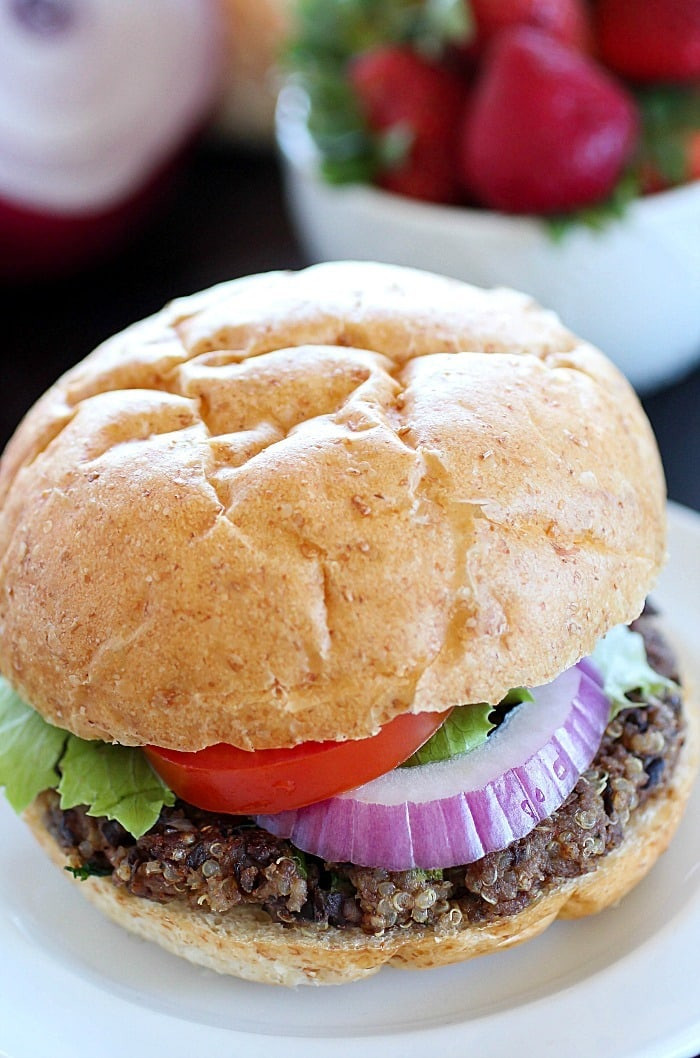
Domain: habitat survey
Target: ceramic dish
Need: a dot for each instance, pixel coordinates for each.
(622, 984)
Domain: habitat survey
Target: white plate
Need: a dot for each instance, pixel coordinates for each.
(621, 984)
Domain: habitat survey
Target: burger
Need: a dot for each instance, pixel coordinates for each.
(323, 626)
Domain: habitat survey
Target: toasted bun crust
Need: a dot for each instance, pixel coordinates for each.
(245, 943)
(300, 504)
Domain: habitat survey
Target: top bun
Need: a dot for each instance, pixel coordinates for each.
(299, 504)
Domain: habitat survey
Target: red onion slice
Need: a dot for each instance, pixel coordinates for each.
(456, 811)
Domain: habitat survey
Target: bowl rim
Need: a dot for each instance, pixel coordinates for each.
(296, 145)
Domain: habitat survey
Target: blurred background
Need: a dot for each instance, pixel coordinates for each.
(544, 145)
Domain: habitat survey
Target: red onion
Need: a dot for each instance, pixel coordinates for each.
(456, 811)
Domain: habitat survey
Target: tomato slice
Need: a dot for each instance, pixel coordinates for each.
(222, 778)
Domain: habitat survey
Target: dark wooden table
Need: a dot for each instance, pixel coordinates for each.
(227, 218)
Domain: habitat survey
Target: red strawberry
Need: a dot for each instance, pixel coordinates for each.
(399, 89)
(650, 40)
(567, 20)
(548, 130)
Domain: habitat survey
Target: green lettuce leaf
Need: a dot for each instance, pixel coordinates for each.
(621, 659)
(466, 727)
(113, 781)
(517, 696)
(30, 750)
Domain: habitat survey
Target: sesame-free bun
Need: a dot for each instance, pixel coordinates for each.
(300, 504)
(246, 943)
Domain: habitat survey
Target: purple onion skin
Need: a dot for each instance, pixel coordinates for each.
(461, 827)
(591, 670)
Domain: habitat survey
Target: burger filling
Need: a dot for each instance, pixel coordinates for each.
(218, 862)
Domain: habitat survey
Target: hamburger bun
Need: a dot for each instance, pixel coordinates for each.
(300, 504)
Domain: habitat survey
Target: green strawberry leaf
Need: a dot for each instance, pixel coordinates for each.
(442, 22)
(669, 114)
(327, 37)
(601, 215)
(331, 33)
(393, 146)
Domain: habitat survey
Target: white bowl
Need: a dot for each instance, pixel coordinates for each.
(632, 289)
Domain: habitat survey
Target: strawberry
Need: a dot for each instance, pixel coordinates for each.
(650, 40)
(567, 20)
(548, 130)
(400, 91)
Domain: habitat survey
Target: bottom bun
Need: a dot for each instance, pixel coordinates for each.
(246, 943)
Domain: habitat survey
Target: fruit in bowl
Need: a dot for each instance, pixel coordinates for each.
(524, 106)
(500, 149)
(91, 128)
(547, 130)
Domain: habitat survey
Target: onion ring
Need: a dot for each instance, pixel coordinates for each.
(454, 812)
